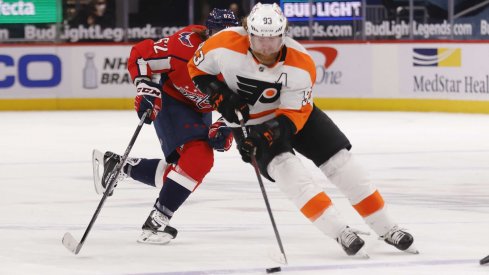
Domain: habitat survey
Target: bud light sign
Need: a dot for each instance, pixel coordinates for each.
(300, 10)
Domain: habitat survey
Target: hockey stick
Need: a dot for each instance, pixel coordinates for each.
(263, 191)
(68, 240)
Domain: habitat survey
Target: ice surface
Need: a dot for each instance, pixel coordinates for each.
(432, 168)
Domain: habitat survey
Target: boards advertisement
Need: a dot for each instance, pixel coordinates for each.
(349, 76)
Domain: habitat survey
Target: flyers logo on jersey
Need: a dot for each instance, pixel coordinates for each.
(253, 90)
(184, 38)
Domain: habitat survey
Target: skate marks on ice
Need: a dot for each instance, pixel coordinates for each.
(439, 180)
(319, 268)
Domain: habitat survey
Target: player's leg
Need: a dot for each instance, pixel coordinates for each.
(147, 171)
(281, 165)
(345, 172)
(183, 136)
(104, 169)
(329, 148)
(144, 170)
(297, 183)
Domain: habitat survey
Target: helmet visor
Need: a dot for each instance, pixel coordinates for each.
(266, 45)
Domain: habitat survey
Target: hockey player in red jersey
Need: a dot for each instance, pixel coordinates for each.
(182, 118)
(268, 78)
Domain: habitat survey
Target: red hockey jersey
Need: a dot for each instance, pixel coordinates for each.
(167, 59)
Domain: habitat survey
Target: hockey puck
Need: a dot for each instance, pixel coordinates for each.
(484, 261)
(274, 269)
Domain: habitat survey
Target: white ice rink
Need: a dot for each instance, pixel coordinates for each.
(432, 168)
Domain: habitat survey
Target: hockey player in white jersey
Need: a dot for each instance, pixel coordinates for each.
(268, 77)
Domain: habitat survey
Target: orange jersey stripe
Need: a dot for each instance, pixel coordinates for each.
(316, 206)
(370, 204)
(298, 117)
(230, 40)
(301, 60)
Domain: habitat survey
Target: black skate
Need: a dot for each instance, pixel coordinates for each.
(400, 239)
(152, 229)
(351, 243)
(104, 169)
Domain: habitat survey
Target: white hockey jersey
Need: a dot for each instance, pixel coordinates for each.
(284, 88)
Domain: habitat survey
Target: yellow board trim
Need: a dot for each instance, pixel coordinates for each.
(414, 105)
(361, 104)
(66, 104)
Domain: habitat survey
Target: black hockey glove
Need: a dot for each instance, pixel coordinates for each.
(148, 97)
(223, 99)
(261, 137)
(228, 102)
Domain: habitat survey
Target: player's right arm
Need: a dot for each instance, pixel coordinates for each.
(204, 70)
(148, 60)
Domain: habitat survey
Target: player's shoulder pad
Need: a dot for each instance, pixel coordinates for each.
(291, 43)
(186, 41)
(298, 57)
(234, 38)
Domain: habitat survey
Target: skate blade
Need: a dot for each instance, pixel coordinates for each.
(97, 163)
(361, 254)
(160, 238)
(412, 249)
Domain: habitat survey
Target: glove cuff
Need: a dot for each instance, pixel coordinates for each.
(150, 83)
(282, 127)
(141, 78)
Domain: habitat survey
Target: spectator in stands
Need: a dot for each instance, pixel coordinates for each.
(234, 7)
(93, 14)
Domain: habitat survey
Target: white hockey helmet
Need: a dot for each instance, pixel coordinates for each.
(266, 26)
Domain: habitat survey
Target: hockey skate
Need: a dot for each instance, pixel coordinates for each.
(351, 243)
(104, 169)
(400, 239)
(152, 233)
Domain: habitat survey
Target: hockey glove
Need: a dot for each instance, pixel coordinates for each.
(220, 136)
(227, 102)
(230, 105)
(148, 97)
(261, 137)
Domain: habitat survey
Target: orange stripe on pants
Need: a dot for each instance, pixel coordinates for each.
(316, 206)
(370, 204)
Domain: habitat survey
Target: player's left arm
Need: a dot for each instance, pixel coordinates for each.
(291, 116)
(296, 105)
(296, 100)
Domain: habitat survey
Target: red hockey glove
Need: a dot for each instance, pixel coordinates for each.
(220, 136)
(148, 97)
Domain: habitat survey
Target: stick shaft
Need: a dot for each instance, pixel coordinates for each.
(109, 188)
(263, 191)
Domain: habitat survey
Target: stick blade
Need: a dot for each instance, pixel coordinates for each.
(70, 243)
(484, 261)
(278, 257)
